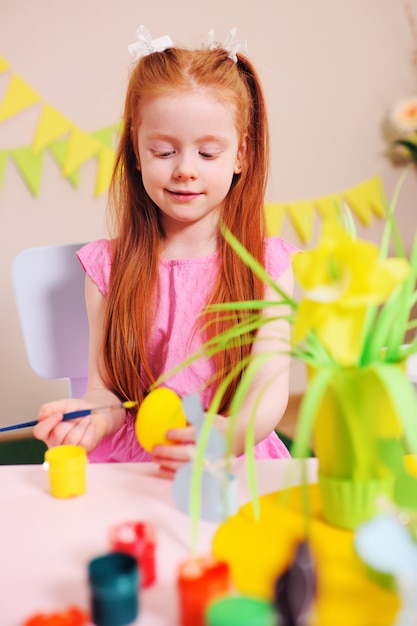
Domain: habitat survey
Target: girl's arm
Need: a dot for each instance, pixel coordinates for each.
(267, 397)
(268, 391)
(87, 431)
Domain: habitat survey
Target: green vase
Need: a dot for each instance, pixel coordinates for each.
(348, 503)
(355, 413)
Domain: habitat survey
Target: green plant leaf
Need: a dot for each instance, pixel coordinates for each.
(404, 398)
(308, 411)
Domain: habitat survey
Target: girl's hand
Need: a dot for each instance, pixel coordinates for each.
(86, 431)
(171, 457)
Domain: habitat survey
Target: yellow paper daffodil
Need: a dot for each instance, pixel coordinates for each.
(341, 278)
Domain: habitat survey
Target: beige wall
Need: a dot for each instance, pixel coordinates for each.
(331, 69)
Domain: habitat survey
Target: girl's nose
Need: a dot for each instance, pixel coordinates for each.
(185, 169)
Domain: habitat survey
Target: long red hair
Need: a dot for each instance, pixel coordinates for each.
(136, 219)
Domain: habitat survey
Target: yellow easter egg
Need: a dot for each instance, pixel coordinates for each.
(160, 411)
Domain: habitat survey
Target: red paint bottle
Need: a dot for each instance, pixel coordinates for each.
(138, 540)
(200, 580)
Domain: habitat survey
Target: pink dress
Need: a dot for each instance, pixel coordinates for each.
(184, 286)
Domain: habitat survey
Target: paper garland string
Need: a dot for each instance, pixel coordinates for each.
(71, 147)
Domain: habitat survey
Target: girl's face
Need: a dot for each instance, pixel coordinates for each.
(189, 150)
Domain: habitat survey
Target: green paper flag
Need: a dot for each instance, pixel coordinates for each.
(106, 136)
(58, 150)
(30, 166)
(3, 160)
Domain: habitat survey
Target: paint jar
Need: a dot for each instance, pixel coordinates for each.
(200, 581)
(66, 466)
(113, 580)
(137, 539)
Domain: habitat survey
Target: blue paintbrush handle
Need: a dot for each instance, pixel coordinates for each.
(65, 417)
(71, 415)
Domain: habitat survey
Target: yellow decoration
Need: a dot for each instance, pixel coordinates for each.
(105, 170)
(341, 278)
(52, 125)
(302, 218)
(18, 97)
(365, 200)
(275, 213)
(81, 147)
(4, 65)
(160, 411)
(259, 551)
(329, 208)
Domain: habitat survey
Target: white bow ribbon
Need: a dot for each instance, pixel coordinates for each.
(146, 45)
(231, 44)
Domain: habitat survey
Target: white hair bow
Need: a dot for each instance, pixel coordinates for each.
(231, 44)
(145, 44)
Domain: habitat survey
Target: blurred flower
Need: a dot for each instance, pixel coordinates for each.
(341, 278)
(400, 131)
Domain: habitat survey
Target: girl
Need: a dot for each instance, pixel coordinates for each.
(193, 153)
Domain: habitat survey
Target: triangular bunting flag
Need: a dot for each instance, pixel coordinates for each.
(52, 125)
(106, 136)
(275, 214)
(366, 199)
(30, 166)
(3, 160)
(58, 149)
(104, 171)
(81, 147)
(18, 97)
(4, 65)
(329, 208)
(301, 215)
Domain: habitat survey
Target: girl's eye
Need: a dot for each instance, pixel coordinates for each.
(163, 154)
(207, 155)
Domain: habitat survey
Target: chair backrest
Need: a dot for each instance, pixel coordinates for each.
(48, 282)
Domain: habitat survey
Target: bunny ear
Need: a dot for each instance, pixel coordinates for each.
(146, 45)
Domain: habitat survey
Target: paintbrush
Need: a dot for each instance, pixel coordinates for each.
(74, 414)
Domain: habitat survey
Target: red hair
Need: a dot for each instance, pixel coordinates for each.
(137, 223)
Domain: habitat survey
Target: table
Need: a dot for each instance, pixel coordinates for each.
(46, 542)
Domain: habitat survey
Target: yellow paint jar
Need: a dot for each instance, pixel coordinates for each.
(66, 466)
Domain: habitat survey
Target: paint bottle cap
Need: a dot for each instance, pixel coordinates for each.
(240, 611)
(114, 580)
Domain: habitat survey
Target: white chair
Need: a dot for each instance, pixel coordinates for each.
(48, 282)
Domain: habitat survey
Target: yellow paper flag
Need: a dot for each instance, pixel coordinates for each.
(4, 65)
(81, 147)
(30, 166)
(104, 171)
(366, 199)
(301, 214)
(275, 214)
(18, 97)
(52, 125)
(329, 207)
